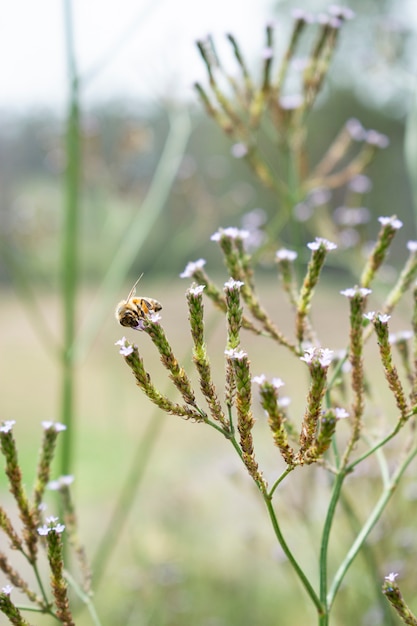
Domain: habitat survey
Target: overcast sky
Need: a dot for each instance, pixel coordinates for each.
(158, 56)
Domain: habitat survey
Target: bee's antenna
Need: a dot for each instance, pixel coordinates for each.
(132, 291)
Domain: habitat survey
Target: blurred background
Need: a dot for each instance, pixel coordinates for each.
(156, 177)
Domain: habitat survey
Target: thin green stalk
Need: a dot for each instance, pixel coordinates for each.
(336, 491)
(70, 243)
(370, 563)
(84, 597)
(279, 480)
(301, 575)
(368, 526)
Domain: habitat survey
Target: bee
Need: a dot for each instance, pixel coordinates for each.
(133, 310)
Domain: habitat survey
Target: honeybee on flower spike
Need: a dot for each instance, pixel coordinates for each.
(132, 311)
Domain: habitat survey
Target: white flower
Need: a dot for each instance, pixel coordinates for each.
(370, 316)
(286, 255)
(284, 402)
(231, 232)
(51, 519)
(321, 242)
(154, 317)
(377, 139)
(62, 481)
(233, 284)
(355, 129)
(7, 426)
(391, 577)
(412, 246)
(322, 355)
(43, 530)
(59, 528)
(234, 353)
(340, 413)
(239, 150)
(56, 426)
(192, 267)
(277, 383)
(383, 318)
(391, 221)
(197, 290)
(7, 590)
(125, 348)
(259, 380)
(290, 102)
(267, 53)
(353, 291)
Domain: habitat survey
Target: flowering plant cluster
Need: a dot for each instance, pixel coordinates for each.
(313, 437)
(38, 538)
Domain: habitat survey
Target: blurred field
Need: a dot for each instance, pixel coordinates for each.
(197, 547)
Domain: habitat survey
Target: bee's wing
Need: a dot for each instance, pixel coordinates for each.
(133, 290)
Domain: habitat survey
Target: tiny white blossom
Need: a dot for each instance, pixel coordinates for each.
(353, 291)
(155, 317)
(412, 246)
(319, 242)
(259, 380)
(62, 481)
(391, 577)
(239, 150)
(290, 102)
(57, 426)
(43, 530)
(322, 355)
(233, 353)
(231, 232)
(355, 129)
(383, 318)
(392, 221)
(192, 267)
(59, 528)
(197, 290)
(7, 426)
(51, 519)
(341, 11)
(277, 383)
(286, 255)
(377, 139)
(233, 284)
(126, 350)
(284, 402)
(340, 413)
(120, 342)
(42, 506)
(370, 315)
(267, 53)
(7, 590)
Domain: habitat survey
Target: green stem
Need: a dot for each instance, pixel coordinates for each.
(368, 526)
(69, 244)
(85, 598)
(337, 486)
(303, 578)
(284, 474)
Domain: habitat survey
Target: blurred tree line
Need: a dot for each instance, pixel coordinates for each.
(122, 143)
